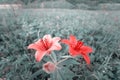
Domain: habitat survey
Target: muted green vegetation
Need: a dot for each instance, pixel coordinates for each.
(98, 29)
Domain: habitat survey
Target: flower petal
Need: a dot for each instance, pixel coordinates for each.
(73, 39)
(56, 39)
(86, 50)
(47, 38)
(34, 46)
(38, 45)
(73, 52)
(39, 42)
(65, 41)
(55, 46)
(39, 55)
(87, 59)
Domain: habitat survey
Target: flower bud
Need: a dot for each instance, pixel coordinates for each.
(49, 67)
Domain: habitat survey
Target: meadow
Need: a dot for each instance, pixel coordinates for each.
(98, 29)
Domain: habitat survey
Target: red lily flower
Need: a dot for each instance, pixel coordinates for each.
(44, 46)
(77, 47)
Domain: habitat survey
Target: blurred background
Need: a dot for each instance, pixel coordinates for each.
(95, 22)
(66, 4)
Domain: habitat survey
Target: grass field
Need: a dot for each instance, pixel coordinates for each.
(99, 29)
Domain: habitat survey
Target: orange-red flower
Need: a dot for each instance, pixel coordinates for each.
(49, 67)
(77, 47)
(44, 46)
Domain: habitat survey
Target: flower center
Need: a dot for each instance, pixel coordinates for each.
(44, 44)
(78, 45)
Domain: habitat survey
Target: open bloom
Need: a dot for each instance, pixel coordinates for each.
(77, 47)
(44, 46)
(49, 67)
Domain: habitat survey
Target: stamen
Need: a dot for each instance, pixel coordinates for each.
(44, 45)
(78, 45)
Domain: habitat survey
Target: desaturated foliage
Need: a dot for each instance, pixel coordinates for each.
(96, 29)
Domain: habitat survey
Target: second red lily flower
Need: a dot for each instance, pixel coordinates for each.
(77, 47)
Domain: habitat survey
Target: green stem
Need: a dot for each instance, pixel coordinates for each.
(62, 60)
(52, 58)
